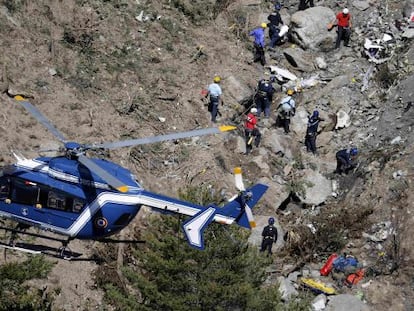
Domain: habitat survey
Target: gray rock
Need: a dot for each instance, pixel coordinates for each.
(345, 302)
(275, 195)
(361, 5)
(309, 28)
(321, 63)
(408, 33)
(278, 142)
(286, 289)
(317, 187)
(319, 303)
(299, 59)
(236, 88)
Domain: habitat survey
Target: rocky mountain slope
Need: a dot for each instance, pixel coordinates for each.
(110, 70)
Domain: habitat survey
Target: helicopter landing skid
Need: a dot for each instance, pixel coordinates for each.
(62, 252)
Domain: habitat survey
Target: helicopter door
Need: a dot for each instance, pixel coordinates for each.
(4, 188)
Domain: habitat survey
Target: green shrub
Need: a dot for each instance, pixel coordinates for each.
(14, 294)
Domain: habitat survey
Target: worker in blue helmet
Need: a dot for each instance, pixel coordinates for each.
(269, 235)
(346, 160)
(312, 132)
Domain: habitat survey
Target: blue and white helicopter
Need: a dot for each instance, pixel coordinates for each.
(89, 198)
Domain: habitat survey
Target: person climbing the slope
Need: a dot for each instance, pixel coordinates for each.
(259, 43)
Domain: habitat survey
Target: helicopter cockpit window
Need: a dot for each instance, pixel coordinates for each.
(24, 192)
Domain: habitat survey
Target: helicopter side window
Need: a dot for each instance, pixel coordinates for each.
(77, 205)
(56, 201)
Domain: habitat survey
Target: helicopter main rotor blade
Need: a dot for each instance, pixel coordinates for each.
(40, 117)
(173, 136)
(108, 178)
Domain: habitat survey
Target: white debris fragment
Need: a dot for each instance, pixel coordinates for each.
(52, 71)
(140, 16)
(396, 140)
(343, 120)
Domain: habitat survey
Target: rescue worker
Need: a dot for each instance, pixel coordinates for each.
(286, 110)
(269, 235)
(274, 21)
(304, 4)
(312, 132)
(346, 160)
(214, 92)
(343, 21)
(259, 43)
(251, 132)
(264, 96)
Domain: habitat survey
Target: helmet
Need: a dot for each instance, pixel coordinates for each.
(278, 6)
(354, 151)
(217, 79)
(315, 114)
(345, 11)
(263, 25)
(290, 92)
(271, 221)
(253, 110)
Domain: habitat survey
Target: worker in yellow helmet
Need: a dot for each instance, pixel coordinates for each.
(286, 110)
(214, 92)
(259, 43)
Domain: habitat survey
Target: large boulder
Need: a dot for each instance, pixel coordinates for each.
(279, 143)
(309, 28)
(236, 88)
(300, 59)
(277, 193)
(316, 188)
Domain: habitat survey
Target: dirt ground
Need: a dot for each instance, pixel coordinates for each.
(118, 86)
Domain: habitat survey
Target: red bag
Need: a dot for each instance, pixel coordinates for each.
(327, 267)
(354, 278)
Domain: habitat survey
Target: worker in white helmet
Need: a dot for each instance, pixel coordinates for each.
(252, 134)
(343, 21)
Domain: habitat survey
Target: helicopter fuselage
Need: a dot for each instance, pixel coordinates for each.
(61, 195)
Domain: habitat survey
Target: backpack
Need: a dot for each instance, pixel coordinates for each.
(286, 105)
(341, 262)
